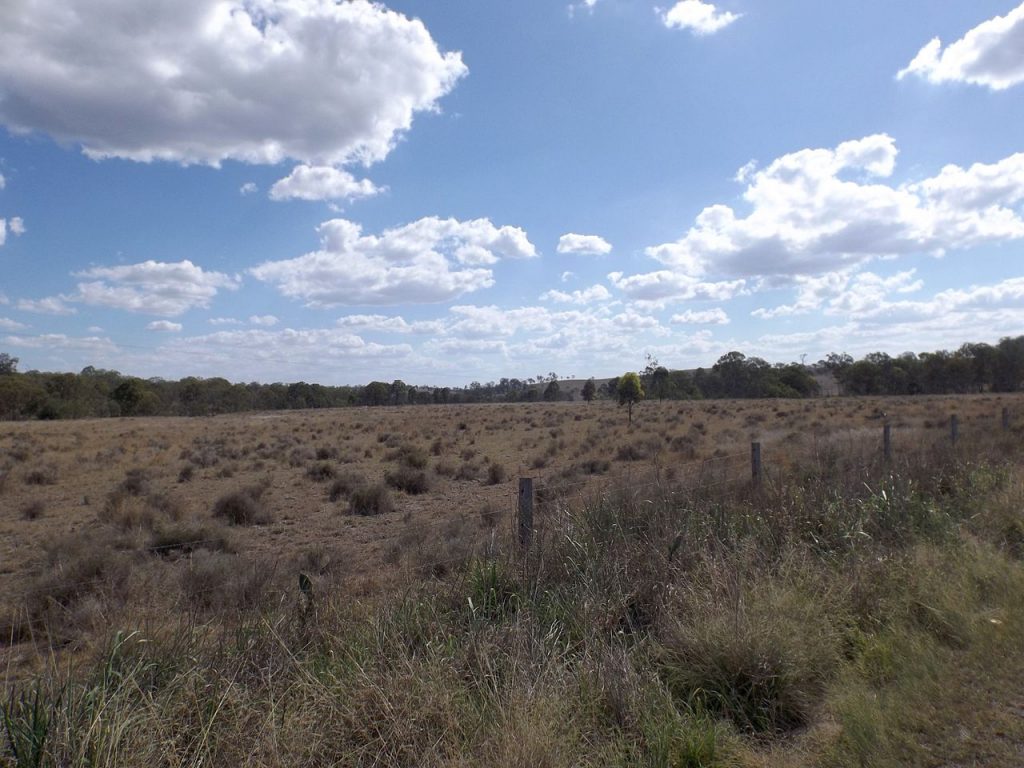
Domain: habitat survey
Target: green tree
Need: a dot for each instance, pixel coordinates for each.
(552, 391)
(8, 364)
(630, 391)
(589, 390)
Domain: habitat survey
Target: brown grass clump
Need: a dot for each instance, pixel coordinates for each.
(46, 475)
(33, 510)
(243, 507)
(407, 479)
(371, 500)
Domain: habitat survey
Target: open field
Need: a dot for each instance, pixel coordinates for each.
(835, 601)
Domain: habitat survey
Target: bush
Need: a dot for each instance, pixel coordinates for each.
(495, 473)
(344, 485)
(322, 472)
(371, 500)
(243, 507)
(186, 474)
(42, 476)
(407, 479)
(33, 510)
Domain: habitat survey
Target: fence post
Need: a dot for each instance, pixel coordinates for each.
(887, 441)
(525, 512)
(755, 463)
(954, 428)
(1006, 418)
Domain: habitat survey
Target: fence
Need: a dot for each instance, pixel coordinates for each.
(530, 495)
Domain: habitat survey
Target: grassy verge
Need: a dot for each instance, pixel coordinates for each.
(848, 614)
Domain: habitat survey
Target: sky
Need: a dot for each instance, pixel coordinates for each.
(285, 190)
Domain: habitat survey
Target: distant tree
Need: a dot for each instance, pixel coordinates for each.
(589, 390)
(8, 364)
(630, 391)
(552, 391)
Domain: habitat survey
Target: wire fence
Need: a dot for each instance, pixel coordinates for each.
(519, 509)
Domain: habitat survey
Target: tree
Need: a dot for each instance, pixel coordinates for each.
(630, 391)
(552, 391)
(8, 364)
(589, 390)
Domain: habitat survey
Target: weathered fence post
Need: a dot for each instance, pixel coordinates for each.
(525, 512)
(755, 463)
(954, 428)
(1006, 418)
(887, 441)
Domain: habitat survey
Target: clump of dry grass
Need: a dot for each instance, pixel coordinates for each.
(371, 500)
(244, 507)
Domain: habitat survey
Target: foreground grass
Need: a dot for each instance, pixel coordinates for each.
(849, 614)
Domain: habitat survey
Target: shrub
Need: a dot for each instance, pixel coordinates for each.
(186, 474)
(42, 475)
(33, 510)
(322, 472)
(371, 500)
(495, 473)
(344, 485)
(188, 537)
(407, 479)
(135, 483)
(243, 507)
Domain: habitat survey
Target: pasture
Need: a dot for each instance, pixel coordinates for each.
(667, 612)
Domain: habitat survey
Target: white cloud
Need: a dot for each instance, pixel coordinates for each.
(60, 341)
(585, 296)
(426, 261)
(3, 181)
(266, 321)
(842, 292)
(698, 17)
(224, 321)
(7, 324)
(715, 316)
(321, 183)
(666, 285)
(820, 210)
(991, 54)
(567, 276)
(50, 305)
(389, 324)
(152, 287)
(248, 188)
(17, 225)
(202, 81)
(165, 326)
(592, 245)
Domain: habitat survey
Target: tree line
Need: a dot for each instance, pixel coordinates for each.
(96, 392)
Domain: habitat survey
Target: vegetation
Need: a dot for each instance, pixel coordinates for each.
(99, 393)
(849, 612)
(629, 391)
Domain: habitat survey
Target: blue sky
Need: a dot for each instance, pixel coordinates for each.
(278, 190)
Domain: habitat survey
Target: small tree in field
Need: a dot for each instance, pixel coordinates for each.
(630, 391)
(589, 390)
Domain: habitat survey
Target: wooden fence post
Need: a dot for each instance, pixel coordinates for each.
(755, 463)
(954, 428)
(1006, 418)
(887, 441)
(525, 512)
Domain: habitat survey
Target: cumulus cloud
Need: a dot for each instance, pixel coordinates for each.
(60, 341)
(164, 326)
(585, 296)
(321, 183)
(699, 17)
(427, 261)
(991, 54)
(666, 285)
(267, 321)
(716, 316)
(15, 225)
(842, 292)
(202, 81)
(389, 324)
(592, 245)
(224, 321)
(50, 305)
(820, 210)
(248, 188)
(7, 324)
(152, 287)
